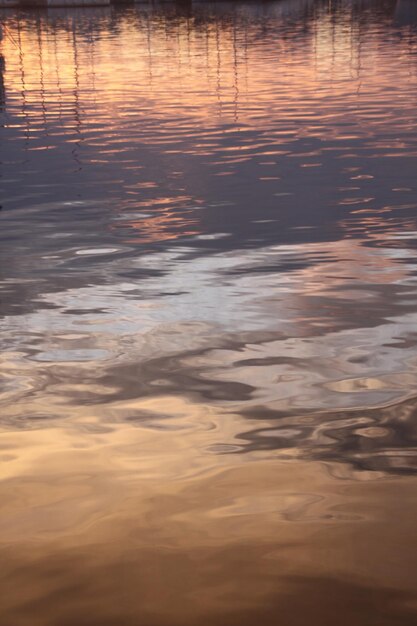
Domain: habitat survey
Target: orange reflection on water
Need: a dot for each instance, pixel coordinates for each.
(208, 321)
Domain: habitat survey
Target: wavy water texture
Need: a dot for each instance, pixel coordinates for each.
(208, 307)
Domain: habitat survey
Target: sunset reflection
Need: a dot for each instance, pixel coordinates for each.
(208, 314)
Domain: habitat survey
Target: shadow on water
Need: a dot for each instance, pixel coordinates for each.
(406, 13)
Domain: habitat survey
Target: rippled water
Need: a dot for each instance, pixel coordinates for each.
(208, 315)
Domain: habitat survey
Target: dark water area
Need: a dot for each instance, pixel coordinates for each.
(208, 307)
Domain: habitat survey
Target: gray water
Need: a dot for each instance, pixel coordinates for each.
(208, 314)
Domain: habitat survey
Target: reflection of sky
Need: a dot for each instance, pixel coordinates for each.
(232, 190)
(208, 314)
(342, 320)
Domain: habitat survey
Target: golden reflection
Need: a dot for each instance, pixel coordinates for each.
(172, 220)
(131, 548)
(208, 358)
(208, 70)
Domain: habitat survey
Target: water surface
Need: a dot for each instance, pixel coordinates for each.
(208, 307)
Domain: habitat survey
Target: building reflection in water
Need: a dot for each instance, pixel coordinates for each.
(2, 90)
